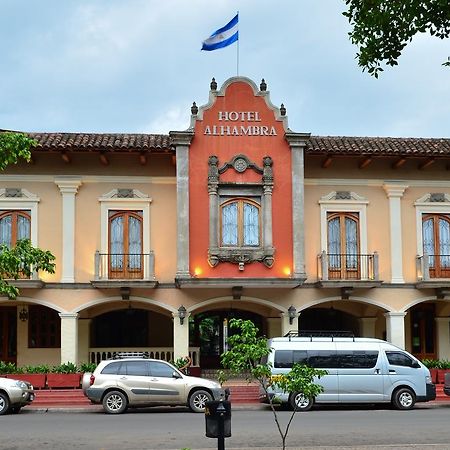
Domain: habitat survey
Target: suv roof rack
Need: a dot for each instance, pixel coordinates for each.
(320, 333)
(121, 355)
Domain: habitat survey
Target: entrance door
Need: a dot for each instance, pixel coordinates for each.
(423, 331)
(436, 244)
(8, 334)
(343, 246)
(125, 245)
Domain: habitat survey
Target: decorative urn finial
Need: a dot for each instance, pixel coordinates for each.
(194, 109)
(213, 84)
(282, 110)
(263, 85)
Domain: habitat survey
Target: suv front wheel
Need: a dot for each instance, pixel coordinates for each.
(115, 402)
(197, 401)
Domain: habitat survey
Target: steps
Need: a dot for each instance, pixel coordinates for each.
(63, 398)
(248, 393)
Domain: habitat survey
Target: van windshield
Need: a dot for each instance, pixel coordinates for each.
(326, 359)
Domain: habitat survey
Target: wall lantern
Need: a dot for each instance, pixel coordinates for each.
(292, 312)
(23, 314)
(182, 314)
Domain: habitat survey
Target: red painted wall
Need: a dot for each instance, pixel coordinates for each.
(239, 96)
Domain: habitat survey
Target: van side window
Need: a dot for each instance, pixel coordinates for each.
(322, 359)
(399, 359)
(283, 359)
(358, 359)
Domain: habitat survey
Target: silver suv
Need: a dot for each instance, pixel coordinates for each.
(14, 394)
(138, 381)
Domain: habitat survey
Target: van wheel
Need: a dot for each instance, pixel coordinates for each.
(404, 399)
(115, 402)
(197, 401)
(4, 403)
(299, 402)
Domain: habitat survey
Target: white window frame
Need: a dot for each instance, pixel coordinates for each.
(28, 202)
(423, 206)
(139, 202)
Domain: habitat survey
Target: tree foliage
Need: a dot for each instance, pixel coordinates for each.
(247, 355)
(20, 262)
(383, 28)
(13, 147)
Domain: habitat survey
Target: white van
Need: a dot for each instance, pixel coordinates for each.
(359, 370)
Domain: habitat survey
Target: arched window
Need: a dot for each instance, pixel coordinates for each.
(14, 226)
(240, 223)
(436, 243)
(125, 244)
(343, 244)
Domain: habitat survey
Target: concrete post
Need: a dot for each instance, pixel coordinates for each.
(395, 328)
(443, 337)
(69, 337)
(180, 336)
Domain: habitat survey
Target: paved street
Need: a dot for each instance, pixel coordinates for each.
(426, 427)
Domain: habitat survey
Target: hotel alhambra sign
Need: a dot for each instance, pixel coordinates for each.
(239, 123)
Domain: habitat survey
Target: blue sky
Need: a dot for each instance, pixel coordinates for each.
(136, 66)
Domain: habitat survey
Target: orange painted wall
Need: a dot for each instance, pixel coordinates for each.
(239, 96)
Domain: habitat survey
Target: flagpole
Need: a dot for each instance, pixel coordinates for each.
(237, 51)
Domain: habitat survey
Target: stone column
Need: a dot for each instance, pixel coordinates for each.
(297, 142)
(443, 337)
(180, 336)
(367, 326)
(182, 141)
(69, 337)
(395, 193)
(286, 326)
(395, 328)
(68, 187)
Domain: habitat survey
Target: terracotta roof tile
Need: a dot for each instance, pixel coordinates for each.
(316, 145)
(378, 146)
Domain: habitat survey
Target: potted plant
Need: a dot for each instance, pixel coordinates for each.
(36, 375)
(443, 367)
(65, 375)
(432, 365)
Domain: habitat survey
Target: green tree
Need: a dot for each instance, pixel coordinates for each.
(383, 28)
(22, 259)
(247, 355)
(15, 146)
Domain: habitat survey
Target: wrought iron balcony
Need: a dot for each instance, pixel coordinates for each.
(431, 267)
(348, 267)
(124, 266)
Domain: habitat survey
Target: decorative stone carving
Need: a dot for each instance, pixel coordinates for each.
(343, 195)
(437, 197)
(125, 193)
(241, 255)
(13, 192)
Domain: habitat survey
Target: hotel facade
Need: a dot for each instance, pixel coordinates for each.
(161, 239)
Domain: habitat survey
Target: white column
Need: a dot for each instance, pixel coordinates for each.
(395, 193)
(286, 326)
(395, 328)
(83, 339)
(69, 337)
(443, 337)
(180, 337)
(367, 326)
(68, 187)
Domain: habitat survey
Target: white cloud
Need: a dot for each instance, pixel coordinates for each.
(172, 119)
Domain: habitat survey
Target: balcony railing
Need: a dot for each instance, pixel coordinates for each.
(165, 353)
(124, 266)
(432, 267)
(348, 266)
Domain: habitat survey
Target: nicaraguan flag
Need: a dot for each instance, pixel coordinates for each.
(223, 36)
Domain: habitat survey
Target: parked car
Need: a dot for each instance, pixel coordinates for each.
(124, 382)
(14, 394)
(447, 383)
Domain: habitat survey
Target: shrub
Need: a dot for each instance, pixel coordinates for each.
(9, 367)
(67, 367)
(42, 368)
(87, 367)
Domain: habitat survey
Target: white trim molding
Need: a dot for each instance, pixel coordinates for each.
(137, 201)
(25, 202)
(394, 193)
(351, 202)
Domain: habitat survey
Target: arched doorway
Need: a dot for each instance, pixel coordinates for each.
(328, 319)
(209, 331)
